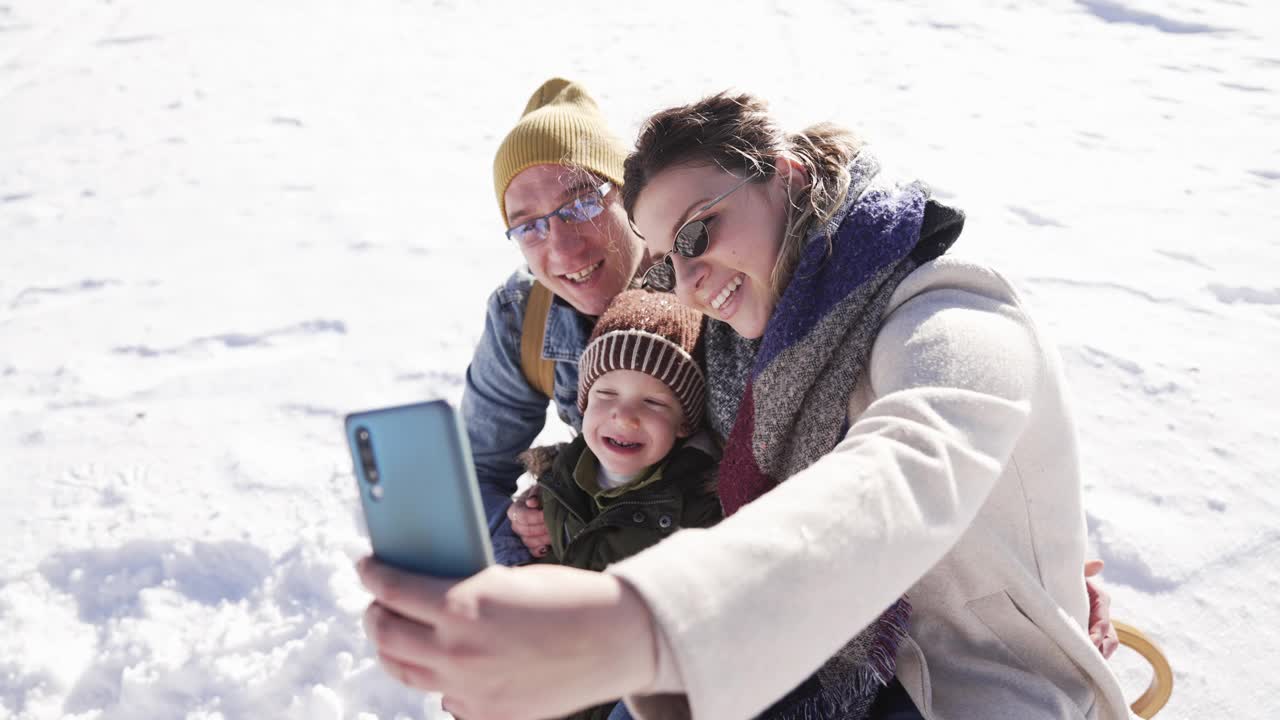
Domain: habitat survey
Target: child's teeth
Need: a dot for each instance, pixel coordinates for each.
(726, 292)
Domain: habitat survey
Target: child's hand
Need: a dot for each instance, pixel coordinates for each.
(526, 518)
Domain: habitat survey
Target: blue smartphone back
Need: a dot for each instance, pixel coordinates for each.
(418, 489)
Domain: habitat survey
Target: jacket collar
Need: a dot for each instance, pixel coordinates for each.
(567, 332)
(586, 474)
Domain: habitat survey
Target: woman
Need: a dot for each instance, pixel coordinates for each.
(955, 478)
(903, 432)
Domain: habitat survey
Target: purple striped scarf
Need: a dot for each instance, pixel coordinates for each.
(794, 411)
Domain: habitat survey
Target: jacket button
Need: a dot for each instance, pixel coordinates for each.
(664, 522)
(638, 517)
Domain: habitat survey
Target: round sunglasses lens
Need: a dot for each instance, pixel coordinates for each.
(692, 240)
(660, 277)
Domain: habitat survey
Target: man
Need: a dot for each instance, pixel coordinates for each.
(557, 177)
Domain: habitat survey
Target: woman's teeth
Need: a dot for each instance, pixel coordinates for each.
(718, 301)
(584, 273)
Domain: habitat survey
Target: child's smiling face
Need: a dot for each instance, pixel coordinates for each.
(632, 421)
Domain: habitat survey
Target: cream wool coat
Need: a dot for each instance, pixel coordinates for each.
(957, 484)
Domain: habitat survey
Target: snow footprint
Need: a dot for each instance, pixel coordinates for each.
(35, 295)
(1243, 294)
(238, 340)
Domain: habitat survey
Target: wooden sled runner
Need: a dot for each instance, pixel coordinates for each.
(1161, 686)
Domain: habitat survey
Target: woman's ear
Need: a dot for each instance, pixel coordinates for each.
(793, 172)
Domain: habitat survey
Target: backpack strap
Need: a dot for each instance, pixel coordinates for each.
(539, 371)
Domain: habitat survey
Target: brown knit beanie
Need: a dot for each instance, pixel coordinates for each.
(654, 334)
(560, 125)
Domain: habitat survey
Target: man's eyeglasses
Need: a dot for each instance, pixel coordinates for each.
(691, 241)
(580, 209)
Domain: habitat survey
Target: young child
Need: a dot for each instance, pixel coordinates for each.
(640, 470)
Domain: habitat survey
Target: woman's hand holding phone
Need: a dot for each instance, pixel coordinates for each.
(506, 642)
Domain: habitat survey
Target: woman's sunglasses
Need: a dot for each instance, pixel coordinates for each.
(691, 241)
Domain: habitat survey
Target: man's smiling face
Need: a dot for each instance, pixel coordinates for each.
(585, 263)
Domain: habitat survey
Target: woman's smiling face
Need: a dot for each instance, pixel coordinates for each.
(731, 281)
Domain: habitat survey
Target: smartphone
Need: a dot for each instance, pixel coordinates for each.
(418, 489)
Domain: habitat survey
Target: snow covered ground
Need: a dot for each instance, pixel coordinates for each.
(224, 225)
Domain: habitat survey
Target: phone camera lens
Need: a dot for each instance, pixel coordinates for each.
(364, 447)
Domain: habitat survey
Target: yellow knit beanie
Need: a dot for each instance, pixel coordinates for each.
(561, 125)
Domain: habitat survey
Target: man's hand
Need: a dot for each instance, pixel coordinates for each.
(526, 518)
(511, 643)
(1101, 631)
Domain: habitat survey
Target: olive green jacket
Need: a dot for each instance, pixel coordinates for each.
(591, 531)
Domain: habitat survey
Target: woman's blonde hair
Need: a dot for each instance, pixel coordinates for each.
(738, 134)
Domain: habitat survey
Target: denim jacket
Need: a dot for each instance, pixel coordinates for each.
(503, 414)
